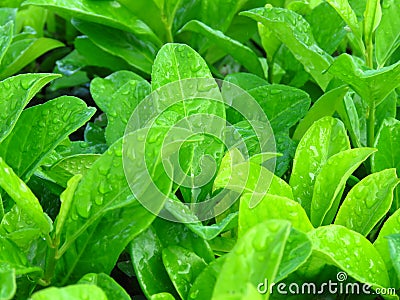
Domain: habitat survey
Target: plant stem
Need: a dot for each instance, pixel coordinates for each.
(371, 125)
(369, 55)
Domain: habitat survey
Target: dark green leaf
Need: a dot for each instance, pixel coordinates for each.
(119, 43)
(237, 50)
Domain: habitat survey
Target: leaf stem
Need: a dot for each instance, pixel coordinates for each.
(371, 125)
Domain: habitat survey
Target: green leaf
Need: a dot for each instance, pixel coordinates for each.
(372, 18)
(368, 202)
(92, 240)
(110, 287)
(283, 105)
(40, 129)
(64, 169)
(203, 285)
(66, 200)
(15, 93)
(346, 12)
(237, 50)
(119, 43)
(174, 63)
(394, 246)
(12, 258)
(330, 181)
(327, 27)
(146, 255)
(296, 34)
(175, 234)
(162, 296)
(77, 291)
(261, 253)
(388, 156)
(272, 207)
(253, 179)
(326, 105)
(177, 62)
(354, 260)
(102, 12)
(246, 81)
(387, 37)
(324, 138)
(23, 197)
(183, 266)
(183, 214)
(8, 284)
(21, 53)
(372, 85)
(5, 38)
(390, 227)
(118, 95)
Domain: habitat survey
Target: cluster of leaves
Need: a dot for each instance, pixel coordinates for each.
(325, 73)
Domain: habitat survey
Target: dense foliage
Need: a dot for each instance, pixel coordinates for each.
(325, 73)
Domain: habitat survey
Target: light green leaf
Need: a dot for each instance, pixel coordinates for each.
(21, 53)
(296, 34)
(390, 227)
(387, 37)
(5, 38)
(272, 207)
(373, 85)
(77, 292)
(368, 202)
(15, 93)
(324, 138)
(372, 18)
(172, 64)
(266, 251)
(237, 50)
(109, 286)
(388, 156)
(328, 244)
(183, 267)
(344, 9)
(66, 201)
(23, 197)
(326, 105)
(162, 296)
(8, 285)
(120, 43)
(40, 129)
(330, 181)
